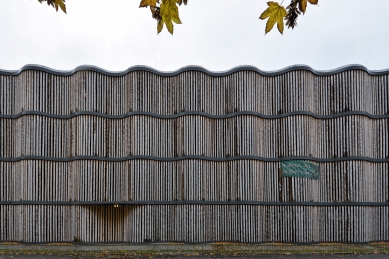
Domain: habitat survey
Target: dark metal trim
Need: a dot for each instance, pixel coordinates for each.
(214, 159)
(173, 116)
(195, 202)
(194, 68)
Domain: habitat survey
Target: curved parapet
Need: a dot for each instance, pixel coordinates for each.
(194, 68)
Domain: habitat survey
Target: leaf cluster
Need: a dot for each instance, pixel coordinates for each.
(166, 12)
(278, 14)
(295, 8)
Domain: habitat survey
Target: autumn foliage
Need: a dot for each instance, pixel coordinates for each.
(166, 12)
(56, 4)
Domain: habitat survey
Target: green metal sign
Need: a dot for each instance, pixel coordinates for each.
(300, 168)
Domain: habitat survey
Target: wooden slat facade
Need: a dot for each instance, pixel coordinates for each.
(193, 156)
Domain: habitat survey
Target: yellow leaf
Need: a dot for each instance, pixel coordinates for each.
(179, 2)
(169, 26)
(146, 3)
(55, 4)
(61, 4)
(169, 14)
(303, 6)
(174, 15)
(160, 26)
(276, 14)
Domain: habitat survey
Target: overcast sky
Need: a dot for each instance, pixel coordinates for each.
(215, 34)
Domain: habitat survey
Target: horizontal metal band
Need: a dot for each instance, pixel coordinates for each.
(173, 116)
(195, 202)
(194, 68)
(215, 159)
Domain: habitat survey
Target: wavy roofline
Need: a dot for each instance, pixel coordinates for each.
(194, 68)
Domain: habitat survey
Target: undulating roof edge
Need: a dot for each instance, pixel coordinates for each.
(194, 68)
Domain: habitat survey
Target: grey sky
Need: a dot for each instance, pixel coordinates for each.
(215, 34)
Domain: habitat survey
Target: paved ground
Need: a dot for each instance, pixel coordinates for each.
(212, 250)
(306, 256)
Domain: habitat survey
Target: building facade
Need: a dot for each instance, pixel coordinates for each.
(245, 155)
